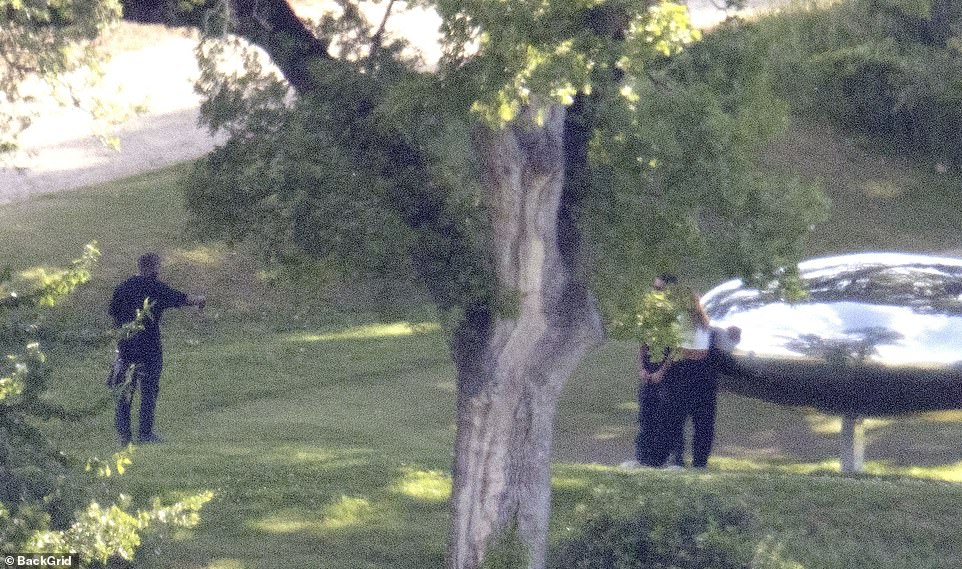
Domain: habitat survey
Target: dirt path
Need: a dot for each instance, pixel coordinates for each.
(147, 143)
(58, 153)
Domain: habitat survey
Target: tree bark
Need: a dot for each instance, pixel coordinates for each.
(512, 362)
(273, 25)
(938, 28)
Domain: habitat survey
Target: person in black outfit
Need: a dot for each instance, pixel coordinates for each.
(692, 389)
(692, 386)
(142, 349)
(651, 408)
(682, 383)
(651, 397)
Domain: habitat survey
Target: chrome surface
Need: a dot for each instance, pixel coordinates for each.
(880, 333)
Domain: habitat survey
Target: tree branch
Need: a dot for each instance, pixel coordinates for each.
(379, 34)
(657, 81)
(270, 24)
(273, 26)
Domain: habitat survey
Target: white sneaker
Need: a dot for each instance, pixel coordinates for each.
(630, 464)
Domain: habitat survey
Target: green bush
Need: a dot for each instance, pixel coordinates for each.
(878, 68)
(688, 531)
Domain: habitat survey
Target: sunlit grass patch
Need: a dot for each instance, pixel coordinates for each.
(313, 456)
(942, 416)
(368, 332)
(823, 424)
(202, 255)
(427, 485)
(348, 511)
(611, 432)
(287, 521)
(344, 512)
(733, 464)
(737, 464)
(226, 564)
(943, 472)
(569, 483)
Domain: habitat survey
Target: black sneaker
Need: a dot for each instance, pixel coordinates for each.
(152, 438)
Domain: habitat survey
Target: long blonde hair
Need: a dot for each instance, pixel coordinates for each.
(699, 318)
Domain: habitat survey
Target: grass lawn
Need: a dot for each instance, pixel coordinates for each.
(880, 201)
(327, 433)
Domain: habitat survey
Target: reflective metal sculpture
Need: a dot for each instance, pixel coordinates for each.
(879, 334)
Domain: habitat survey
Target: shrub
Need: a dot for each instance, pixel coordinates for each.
(873, 67)
(689, 531)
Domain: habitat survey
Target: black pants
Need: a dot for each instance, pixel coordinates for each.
(690, 390)
(701, 408)
(146, 374)
(651, 424)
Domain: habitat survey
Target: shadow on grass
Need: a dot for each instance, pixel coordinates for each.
(365, 514)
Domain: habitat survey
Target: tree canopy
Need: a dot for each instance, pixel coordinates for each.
(374, 155)
(558, 154)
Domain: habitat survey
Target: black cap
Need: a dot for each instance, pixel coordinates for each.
(668, 278)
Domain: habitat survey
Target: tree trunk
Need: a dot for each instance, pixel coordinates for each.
(512, 362)
(938, 27)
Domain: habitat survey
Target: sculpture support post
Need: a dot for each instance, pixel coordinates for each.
(852, 440)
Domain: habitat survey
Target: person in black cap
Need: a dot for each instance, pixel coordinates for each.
(651, 397)
(685, 379)
(142, 349)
